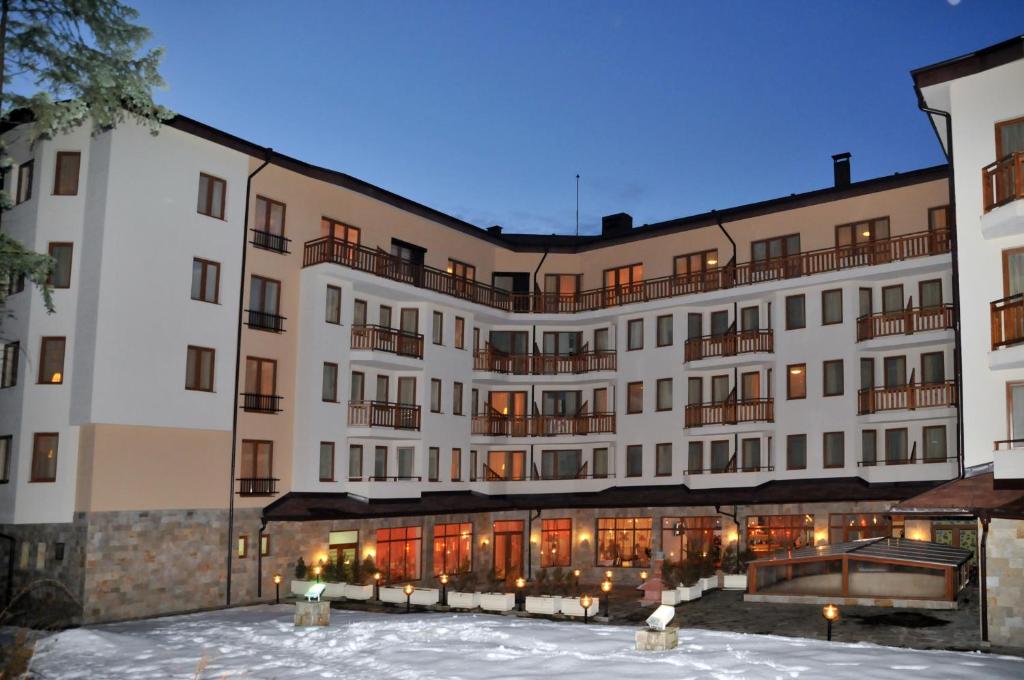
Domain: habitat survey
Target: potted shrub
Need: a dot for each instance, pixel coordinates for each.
(708, 574)
(734, 563)
(462, 593)
(301, 583)
(362, 588)
(670, 577)
(689, 580)
(333, 579)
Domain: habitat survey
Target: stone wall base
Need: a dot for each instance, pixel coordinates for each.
(1005, 582)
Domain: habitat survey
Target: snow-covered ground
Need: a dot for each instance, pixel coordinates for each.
(260, 642)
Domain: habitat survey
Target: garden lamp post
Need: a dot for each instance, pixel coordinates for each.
(643, 580)
(277, 589)
(520, 584)
(376, 585)
(585, 602)
(606, 588)
(408, 597)
(608, 574)
(444, 589)
(317, 570)
(831, 613)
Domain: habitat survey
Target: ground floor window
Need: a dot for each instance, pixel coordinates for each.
(556, 543)
(508, 549)
(398, 553)
(853, 527)
(683, 536)
(453, 548)
(624, 541)
(768, 533)
(957, 533)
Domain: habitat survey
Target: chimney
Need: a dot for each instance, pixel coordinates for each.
(841, 168)
(496, 230)
(616, 225)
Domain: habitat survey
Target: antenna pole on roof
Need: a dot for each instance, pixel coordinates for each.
(577, 204)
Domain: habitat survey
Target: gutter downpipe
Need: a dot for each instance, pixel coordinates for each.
(10, 568)
(954, 252)
(736, 322)
(268, 152)
(983, 577)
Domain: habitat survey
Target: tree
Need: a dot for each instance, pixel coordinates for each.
(63, 63)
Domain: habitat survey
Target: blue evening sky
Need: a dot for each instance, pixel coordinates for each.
(488, 110)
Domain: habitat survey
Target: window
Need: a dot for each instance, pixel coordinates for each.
(9, 368)
(750, 319)
(865, 303)
(600, 463)
(359, 313)
(356, 390)
(257, 461)
(773, 248)
(333, 312)
(65, 178)
(472, 465)
(461, 270)
(51, 361)
(457, 399)
(433, 464)
(384, 316)
(895, 371)
(383, 388)
(930, 293)
(769, 533)
(719, 323)
(561, 464)
(562, 285)
(933, 368)
(327, 461)
(934, 443)
(345, 233)
(694, 326)
(868, 447)
(635, 334)
(624, 541)
(205, 280)
(634, 397)
(406, 458)
(329, 389)
(634, 460)
(243, 546)
(556, 543)
(857, 233)
(622, 280)
(6, 442)
(664, 394)
(832, 372)
(796, 314)
(682, 536)
(269, 225)
(380, 463)
(474, 402)
(695, 458)
(438, 329)
(663, 460)
(355, 462)
(892, 299)
(750, 386)
(460, 333)
(199, 369)
(44, 457)
(867, 373)
(751, 450)
(25, 172)
(60, 277)
(796, 452)
(453, 548)
(1009, 137)
(211, 196)
(834, 446)
(664, 330)
(602, 341)
(796, 381)
(831, 307)
(398, 553)
(896, 446)
(456, 465)
(265, 545)
(694, 264)
(435, 395)
(857, 527)
(264, 303)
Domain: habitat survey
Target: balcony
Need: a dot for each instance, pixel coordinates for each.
(544, 364)
(262, 321)
(268, 241)
(380, 263)
(496, 425)
(254, 402)
(1007, 321)
(912, 459)
(383, 414)
(906, 397)
(729, 412)
(1008, 463)
(908, 322)
(384, 339)
(1002, 182)
(729, 344)
(257, 486)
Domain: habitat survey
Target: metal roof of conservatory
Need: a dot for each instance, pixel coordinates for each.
(881, 548)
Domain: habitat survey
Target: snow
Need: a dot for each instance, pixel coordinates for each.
(261, 642)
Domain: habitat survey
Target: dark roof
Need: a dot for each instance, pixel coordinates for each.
(893, 549)
(969, 64)
(973, 495)
(304, 505)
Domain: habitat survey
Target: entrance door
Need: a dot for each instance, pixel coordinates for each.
(507, 413)
(508, 549)
(342, 551)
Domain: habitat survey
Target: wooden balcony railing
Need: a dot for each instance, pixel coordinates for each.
(265, 322)
(255, 402)
(729, 344)
(543, 426)
(906, 397)
(268, 241)
(383, 414)
(729, 412)
(383, 264)
(911, 320)
(1007, 321)
(1007, 444)
(544, 364)
(1003, 181)
(257, 486)
(387, 339)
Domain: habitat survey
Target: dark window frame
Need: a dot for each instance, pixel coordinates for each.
(207, 206)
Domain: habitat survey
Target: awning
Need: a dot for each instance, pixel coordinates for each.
(970, 496)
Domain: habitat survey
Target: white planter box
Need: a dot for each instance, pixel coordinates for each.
(458, 600)
(570, 606)
(734, 581)
(357, 592)
(497, 602)
(544, 604)
(426, 596)
(299, 588)
(688, 594)
(708, 583)
(392, 594)
(670, 597)
(335, 590)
